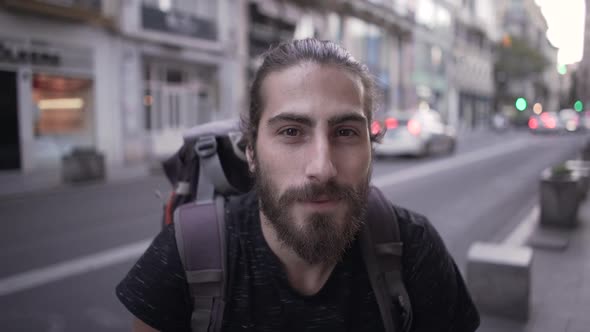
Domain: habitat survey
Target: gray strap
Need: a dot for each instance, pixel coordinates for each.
(205, 147)
(201, 316)
(201, 247)
(203, 276)
(211, 176)
(383, 256)
(376, 279)
(219, 305)
(389, 249)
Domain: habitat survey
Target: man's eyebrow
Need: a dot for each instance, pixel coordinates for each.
(354, 117)
(292, 117)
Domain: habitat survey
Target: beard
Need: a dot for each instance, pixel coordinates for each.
(321, 238)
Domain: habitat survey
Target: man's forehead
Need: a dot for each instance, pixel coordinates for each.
(297, 75)
(319, 92)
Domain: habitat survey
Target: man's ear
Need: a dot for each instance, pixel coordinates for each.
(250, 158)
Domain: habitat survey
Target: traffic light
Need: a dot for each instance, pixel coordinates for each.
(520, 104)
(578, 106)
(562, 69)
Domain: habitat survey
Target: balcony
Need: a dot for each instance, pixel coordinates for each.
(378, 14)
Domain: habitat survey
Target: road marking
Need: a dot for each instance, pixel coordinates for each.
(42, 276)
(45, 275)
(523, 231)
(448, 164)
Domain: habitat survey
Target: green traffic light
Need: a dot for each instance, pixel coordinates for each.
(520, 104)
(562, 69)
(578, 106)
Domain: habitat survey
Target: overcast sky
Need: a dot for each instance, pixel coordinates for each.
(566, 27)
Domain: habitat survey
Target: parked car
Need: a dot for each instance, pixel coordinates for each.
(418, 133)
(571, 120)
(546, 122)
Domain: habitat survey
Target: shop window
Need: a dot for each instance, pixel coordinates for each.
(63, 105)
(177, 97)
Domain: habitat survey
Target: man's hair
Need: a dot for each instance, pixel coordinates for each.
(292, 53)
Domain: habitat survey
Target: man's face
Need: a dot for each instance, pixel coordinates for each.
(312, 159)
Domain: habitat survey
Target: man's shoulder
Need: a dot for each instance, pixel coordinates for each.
(416, 231)
(410, 221)
(244, 203)
(241, 207)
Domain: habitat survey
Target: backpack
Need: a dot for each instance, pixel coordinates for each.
(209, 169)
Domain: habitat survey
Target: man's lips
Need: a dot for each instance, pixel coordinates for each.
(321, 202)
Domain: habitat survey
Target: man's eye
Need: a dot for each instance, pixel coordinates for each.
(292, 132)
(346, 132)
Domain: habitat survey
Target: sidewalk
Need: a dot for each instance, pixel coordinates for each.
(17, 183)
(560, 297)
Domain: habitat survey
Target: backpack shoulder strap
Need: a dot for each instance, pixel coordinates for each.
(382, 250)
(200, 237)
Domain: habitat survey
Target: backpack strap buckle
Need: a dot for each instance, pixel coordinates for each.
(206, 146)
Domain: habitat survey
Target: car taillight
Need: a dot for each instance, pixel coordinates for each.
(548, 121)
(375, 128)
(391, 123)
(414, 127)
(533, 124)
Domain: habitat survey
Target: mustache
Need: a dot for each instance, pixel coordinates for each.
(330, 190)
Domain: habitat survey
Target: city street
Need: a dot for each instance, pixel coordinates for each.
(480, 193)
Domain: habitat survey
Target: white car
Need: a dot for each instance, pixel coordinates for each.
(418, 134)
(570, 120)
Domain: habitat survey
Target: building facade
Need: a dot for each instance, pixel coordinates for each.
(123, 77)
(183, 63)
(472, 89)
(431, 53)
(56, 63)
(523, 21)
(377, 33)
(583, 70)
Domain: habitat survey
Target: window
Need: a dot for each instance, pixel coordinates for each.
(197, 8)
(194, 18)
(63, 105)
(178, 96)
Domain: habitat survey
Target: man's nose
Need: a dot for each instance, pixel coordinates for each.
(320, 164)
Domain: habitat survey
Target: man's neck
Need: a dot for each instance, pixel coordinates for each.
(306, 278)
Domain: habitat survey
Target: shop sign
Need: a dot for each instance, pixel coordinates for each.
(25, 55)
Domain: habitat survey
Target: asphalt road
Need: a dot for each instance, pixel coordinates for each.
(479, 193)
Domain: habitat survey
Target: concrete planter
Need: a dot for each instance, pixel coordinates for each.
(83, 164)
(499, 279)
(560, 199)
(581, 167)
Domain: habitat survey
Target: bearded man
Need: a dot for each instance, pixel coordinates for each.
(296, 261)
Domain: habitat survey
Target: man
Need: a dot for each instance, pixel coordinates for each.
(296, 263)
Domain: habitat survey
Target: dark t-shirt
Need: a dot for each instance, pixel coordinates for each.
(156, 291)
